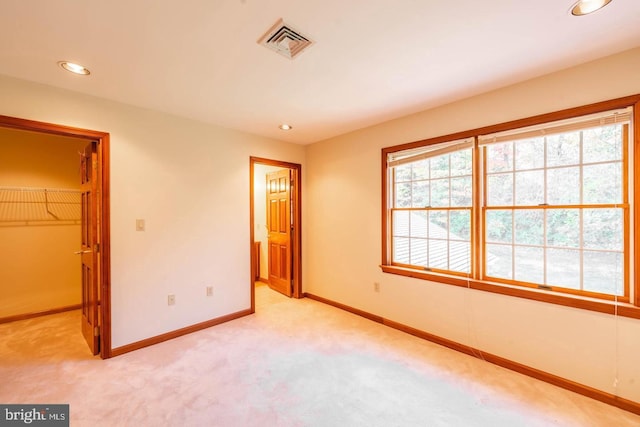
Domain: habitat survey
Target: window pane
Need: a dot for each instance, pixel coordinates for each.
(401, 250)
(461, 163)
(419, 252)
(529, 154)
(438, 257)
(602, 183)
(603, 229)
(563, 268)
(603, 272)
(563, 227)
(460, 256)
(499, 226)
(420, 170)
(461, 191)
(529, 264)
(563, 186)
(602, 144)
(403, 195)
(500, 190)
(418, 224)
(440, 192)
(420, 194)
(440, 166)
(403, 172)
(529, 227)
(529, 188)
(499, 261)
(563, 149)
(438, 225)
(500, 157)
(400, 223)
(460, 225)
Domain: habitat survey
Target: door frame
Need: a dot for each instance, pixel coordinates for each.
(296, 242)
(104, 259)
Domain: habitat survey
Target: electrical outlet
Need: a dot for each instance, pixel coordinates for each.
(139, 224)
(171, 299)
(376, 287)
(209, 291)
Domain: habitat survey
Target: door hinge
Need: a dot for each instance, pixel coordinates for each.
(96, 247)
(96, 331)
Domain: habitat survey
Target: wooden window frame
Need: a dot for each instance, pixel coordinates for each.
(466, 145)
(624, 205)
(615, 305)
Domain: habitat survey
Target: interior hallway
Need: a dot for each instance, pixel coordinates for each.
(293, 363)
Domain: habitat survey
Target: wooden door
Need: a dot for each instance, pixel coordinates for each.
(89, 247)
(279, 226)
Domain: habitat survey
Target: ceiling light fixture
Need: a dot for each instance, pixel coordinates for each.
(585, 7)
(285, 126)
(74, 68)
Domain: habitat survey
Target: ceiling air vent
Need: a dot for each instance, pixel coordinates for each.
(285, 40)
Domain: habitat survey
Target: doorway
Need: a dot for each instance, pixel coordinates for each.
(275, 232)
(96, 290)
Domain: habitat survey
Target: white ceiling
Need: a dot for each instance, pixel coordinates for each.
(372, 61)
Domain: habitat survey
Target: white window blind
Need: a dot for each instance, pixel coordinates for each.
(421, 153)
(606, 118)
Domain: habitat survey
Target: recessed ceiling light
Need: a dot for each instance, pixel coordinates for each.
(285, 126)
(74, 68)
(585, 7)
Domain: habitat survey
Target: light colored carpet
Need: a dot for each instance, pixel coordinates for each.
(293, 363)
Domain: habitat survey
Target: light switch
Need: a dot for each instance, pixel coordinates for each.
(139, 224)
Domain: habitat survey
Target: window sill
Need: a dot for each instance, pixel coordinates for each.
(551, 297)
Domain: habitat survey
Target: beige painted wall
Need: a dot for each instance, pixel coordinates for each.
(38, 270)
(190, 182)
(343, 232)
(260, 233)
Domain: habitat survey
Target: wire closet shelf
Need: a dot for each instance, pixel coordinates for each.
(39, 206)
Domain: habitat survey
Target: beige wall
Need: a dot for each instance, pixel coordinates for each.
(38, 270)
(190, 182)
(343, 236)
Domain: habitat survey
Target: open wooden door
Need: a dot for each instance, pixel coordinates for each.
(279, 225)
(89, 247)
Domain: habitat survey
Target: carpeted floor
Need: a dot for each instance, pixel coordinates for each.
(293, 363)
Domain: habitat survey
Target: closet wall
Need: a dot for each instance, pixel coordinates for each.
(38, 232)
